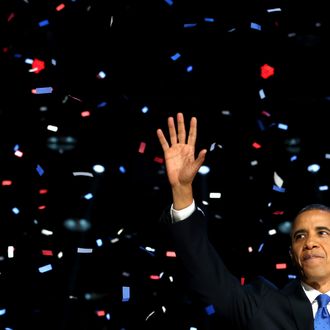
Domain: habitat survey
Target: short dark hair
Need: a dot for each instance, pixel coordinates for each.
(314, 206)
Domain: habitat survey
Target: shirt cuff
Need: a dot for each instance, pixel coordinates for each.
(178, 215)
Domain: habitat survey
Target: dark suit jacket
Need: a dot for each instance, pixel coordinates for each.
(259, 305)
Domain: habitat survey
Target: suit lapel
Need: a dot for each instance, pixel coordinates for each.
(300, 305)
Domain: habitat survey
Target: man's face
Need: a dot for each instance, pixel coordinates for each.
(311, 245)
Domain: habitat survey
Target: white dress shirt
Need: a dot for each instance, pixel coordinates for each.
(312, 294)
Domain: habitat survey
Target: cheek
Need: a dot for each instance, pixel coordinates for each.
(327, 248)
(295, 252)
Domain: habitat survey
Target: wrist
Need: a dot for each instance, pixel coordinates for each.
(182, 197)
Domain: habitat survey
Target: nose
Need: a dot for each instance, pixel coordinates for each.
(310, 243)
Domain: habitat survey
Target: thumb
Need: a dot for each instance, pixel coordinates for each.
(201, 157)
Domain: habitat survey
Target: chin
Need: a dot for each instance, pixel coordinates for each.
(312, 277)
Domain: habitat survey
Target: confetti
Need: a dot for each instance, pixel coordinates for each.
(83, 180)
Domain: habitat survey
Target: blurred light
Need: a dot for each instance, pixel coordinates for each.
(101, 75)
(84, 250)
(43, 23)
(170, 254)
(88, 196)
(255, 26)
(6, 183)
(281, 266)
(293, 158)
(60, 7)
(18, 153)
(40, 170)
(313, 168)
(98, 168)
(278, 180)
(285, 227)
(148, 248)
(214, 145)
(279, 189)
(46, 268)
(122, 169)
(175, 56)
(210, 309)
(142, 147)
(10, 251)
(46, 232)
(282, 126)
(77, 225)
(61, 143)
(215, 195)
(83, 174)
(267, 71)
(256, 145)
(204, 170)
(145, 109)
(272, 232)
(42, 90)
(125, 293)
(102, 104)
(262, 94)
(52, 128)
(273, 10)
(169, 2)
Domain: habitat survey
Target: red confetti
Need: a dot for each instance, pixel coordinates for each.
(47, 252)
(170, 254)
(256, 145)
(159, 160)
(60, 7)
(142, 147)
(267, 71)
(6, 183)
(281, 266)
(38, 65)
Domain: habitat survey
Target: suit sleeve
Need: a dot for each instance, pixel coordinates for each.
(208, 276)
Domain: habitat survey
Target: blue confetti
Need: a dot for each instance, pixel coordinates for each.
(125, 293)
(43, 23)
(40, 170)
(209, 310)
(175, 56)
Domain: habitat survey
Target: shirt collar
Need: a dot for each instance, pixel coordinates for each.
(311, 293)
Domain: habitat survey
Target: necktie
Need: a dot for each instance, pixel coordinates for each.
(322, 317)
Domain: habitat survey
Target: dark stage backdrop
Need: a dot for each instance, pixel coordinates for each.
(85, 85)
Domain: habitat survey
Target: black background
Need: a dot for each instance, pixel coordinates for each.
(133, 42)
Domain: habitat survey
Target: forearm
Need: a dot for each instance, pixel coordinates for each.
(208, 274)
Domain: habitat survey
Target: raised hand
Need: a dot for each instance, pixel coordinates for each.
(179, 154)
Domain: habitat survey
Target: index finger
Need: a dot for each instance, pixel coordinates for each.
(161, 137)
